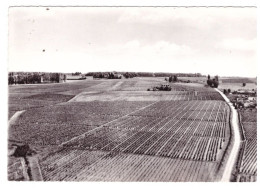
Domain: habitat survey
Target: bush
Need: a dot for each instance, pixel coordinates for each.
(10, 80)
(209, 82)
(213, 83)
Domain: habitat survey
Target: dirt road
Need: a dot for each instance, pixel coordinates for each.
(236, 144)
(13, 119)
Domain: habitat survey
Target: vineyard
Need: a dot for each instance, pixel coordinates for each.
(81, 165)
(145, 96)
(247, 167)
(118, 131)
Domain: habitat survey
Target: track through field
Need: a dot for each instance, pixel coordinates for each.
(235, 149)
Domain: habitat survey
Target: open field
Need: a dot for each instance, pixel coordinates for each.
(238, 80)
(232, 83)
(115, 130)
(237, 86)
(201, 80)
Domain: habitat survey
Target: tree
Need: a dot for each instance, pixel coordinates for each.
(54, 77)
(126, 75)
(46, 77)
(215, 83)
(229, 91)
(36, 78)
(111, 75)
(10, 80)
(244, 84)
(76, 73)
(209, 82)
(170, 79)
(175, 78)
(208, 77)
(225, 91)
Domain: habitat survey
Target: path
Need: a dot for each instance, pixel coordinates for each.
(231, 162)
(13, 119)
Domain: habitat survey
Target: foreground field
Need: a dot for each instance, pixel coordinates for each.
(82, 165)
(114, 130)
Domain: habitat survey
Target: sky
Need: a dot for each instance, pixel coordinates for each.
(203, 40)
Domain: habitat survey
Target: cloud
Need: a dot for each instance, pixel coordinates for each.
(198, 15)
(133, 38)
(238, 44)
(157, 50)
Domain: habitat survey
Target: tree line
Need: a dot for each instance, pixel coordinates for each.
(144, 74)
(32, 77)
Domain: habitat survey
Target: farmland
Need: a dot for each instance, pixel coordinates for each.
(235, 83)
(116, 130)
(247, 164)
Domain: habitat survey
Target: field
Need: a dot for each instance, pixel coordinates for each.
(247, 167)
(116, 130)
(238, 80)
(236, 83)
(201, 80)
(237, 86)
(24, 97)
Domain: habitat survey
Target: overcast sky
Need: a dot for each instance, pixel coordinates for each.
(164, 39)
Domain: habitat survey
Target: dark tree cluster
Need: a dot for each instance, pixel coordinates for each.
(173, 78)
(129, 75)
(97, 75)
(227, 91)
(213, 82)
(32, 77)
(76, 74)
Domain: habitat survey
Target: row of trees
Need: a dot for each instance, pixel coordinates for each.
(129, 75)
(111, 75)
(32, 78)
(76, 74)
(107, 75)
(144, 74)
(125, 74)
(178, 74)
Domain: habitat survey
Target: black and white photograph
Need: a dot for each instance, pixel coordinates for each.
(132, 94)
